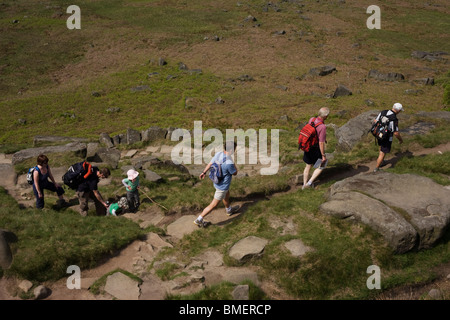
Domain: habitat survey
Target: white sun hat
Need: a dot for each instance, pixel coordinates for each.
(132, 174)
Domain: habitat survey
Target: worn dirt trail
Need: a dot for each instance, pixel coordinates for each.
(124, 258)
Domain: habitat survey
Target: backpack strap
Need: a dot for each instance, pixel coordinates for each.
(88, 167)
(314, 124)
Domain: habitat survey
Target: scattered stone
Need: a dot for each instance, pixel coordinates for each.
(153, 134)
(25, 285)
(162, 62)
(297, 247)
(391, 76)
(41, 292)
(435, 294)
(413, 92)
(182, 226)
(106, 140)
(122, 287)
(131, 153)
(79, 149)
(152, 176)
(342, 91)
(110, 156)
(39, 140)
(425, 207)
(354, 130)
(429, 56)
(248, 248)
(322, 71)
(241, 292)
(113, 110)
(425, 81)
(132, 136)
(219, 100)
(140, 88)
(420, 127)
(182, 66)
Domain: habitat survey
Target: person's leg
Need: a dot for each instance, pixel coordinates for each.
(306, 174)
(39, 201)
(226, 200)
(83, 198)
(315, 174)
(380, 159)
(130, 201)
(136, 199)
(209, 208)
(59, 192)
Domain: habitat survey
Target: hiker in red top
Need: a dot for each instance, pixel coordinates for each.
(316, 151)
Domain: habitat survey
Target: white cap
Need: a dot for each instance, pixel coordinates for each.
(397, 107)
(132, 174)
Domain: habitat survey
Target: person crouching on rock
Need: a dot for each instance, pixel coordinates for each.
(41, 175)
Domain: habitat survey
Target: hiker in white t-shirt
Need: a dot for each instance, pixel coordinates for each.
(386, 144)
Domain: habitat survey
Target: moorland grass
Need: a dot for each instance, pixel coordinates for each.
(50, 241)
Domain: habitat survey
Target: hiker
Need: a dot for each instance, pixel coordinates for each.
(131, 183)
(316, 151)
(41, 175)
(222, 188)
(118, 207)
(88, 189)
(386, 144)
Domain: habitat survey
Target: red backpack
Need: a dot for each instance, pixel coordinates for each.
(308, 136)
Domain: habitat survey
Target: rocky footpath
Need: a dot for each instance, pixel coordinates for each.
(409, 211)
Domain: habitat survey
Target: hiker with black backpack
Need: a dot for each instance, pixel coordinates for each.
(222, 169)
(312, 139)
(40, 176)
(388, 123)
(88, 189)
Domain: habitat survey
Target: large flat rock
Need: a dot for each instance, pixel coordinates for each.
(403, 198)
(182, 226)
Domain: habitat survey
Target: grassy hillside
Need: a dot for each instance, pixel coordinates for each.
(49, 73)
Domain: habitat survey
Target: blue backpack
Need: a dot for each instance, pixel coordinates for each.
(30, 177)
(215, 171)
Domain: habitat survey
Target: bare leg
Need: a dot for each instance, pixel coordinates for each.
(209, 208)
(306, 174)
(380, 159)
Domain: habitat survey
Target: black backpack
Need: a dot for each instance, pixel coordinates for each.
(76, 174)
(380, 129)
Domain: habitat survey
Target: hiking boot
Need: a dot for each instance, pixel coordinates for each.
(201, 224)
(232, 210)
(61, 203)
(376, 170)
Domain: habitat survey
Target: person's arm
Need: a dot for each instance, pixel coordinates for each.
(125, 183)
(100, 198)
(50, 175)
(36, 182)
(398, 136)
(203, 174)
(322, 151)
